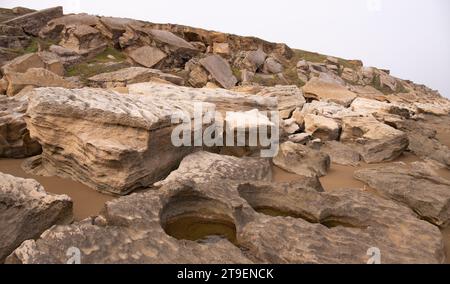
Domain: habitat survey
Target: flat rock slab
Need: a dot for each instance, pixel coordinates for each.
(27, 210)
(110, 142)
(324, 90)
(427, 195)
(220, 70)
(32, 23)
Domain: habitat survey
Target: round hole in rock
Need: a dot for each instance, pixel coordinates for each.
(190, 216)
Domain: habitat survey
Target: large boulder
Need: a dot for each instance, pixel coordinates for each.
(289, 98)
(341, 154)
(147, 56)
(34, 77)
(428, 195)
(131, 75)
(326, 129)
(54, 28)
(325, 90)
(32, 23)
(220, 70)
(110, 142)
(302, 160)
(15, 141)
(375, 141)
(45, 60)
(85, 40)
(224, 100)
(27, 211)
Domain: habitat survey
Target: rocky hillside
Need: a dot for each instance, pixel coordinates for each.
(90, 98)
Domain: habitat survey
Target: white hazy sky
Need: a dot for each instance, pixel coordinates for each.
(409, 37)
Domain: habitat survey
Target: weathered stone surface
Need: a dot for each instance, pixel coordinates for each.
(147, 56)
(428, 195)
(13, 37)
(326, 129)
(289, 98)
(220, 70)
(202, 167)
(302, 160)
(375, 141)
(327, 91)
(435, 109)
(15, 141)
(341, 154)
(224, 100)
(54, 28)
(45, 60)
(110, 142)
(32, 23)
(84, 40)
(35, 77)
(336, 227)
(174, 42)
(290, 126)
(329, 110)
(131, 75)
(221, 48)
(373, 107)
(310, 227)
(26, 211)
(198, 77)
(272, 66)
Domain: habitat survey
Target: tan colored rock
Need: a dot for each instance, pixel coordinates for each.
(341, 154)
(36, 77)
(224, 100)
(428, 195)
(46, 60)
(27, 211)
(368, 92)
(326, 129)
(147, 56)
(15, 141)
(221, 48)
(432, 108)
(289, 98)
(302, 160)
(84, 40)
(220, 70)
(331, 92)
(55, 27)
(110, 142)
(375, 141)
(3, 86)
(131, 75)
(198, 77)
(32, 23)
(272, 66)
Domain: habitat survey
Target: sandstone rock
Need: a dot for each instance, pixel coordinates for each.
(3, 86)
(44, 60)
(325, 109)
(15, 141)
(202, 167)
(221, 48)
(350, 75)
(375, 141)
(373, 107)
(27, 211)
(32, 23)
(321, 127)
(300, 138)
(289, 98)
(6, 55)
(67, 56)
(147, 56)
(174, 42)
(427, 195)
(36, 77)
(114, 27)
(332, 228)
(387, 81)
(54, 28)
(13, 37)
(224, 100)
(302, 160)
(318, 89)
(255, 59)
(290, 126)
(131, 75)
(83, 39)
(434, 109)
(341, 154)
(110, 142)
(332, 60)
(220, 70)
(198, 77)
(298, 225)
(368, 92)
(272, 66)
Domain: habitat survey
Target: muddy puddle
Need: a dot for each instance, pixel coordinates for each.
(86, 201)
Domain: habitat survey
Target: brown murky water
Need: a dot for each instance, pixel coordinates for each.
(86, 201)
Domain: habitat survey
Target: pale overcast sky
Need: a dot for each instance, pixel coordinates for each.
(409, 37)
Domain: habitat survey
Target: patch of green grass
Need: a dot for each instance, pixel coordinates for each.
(291, 76)
(237, 73)
(99, 64)
(308, 56)
(32, 47)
